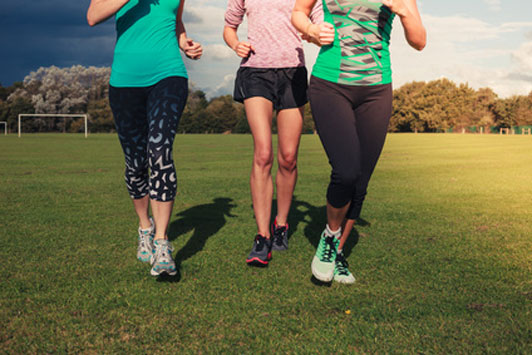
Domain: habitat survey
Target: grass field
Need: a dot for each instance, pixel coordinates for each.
(443, 256)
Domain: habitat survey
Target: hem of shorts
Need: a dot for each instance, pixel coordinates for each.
(290, 107)
(272, 67)
(251, 96)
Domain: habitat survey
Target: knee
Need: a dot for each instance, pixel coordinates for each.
(288, 161)
(263, 158)
(345, 178)
(136, 169)
(160, 159)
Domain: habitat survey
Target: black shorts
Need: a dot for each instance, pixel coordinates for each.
(284, 87)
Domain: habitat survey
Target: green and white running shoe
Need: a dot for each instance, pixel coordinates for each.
(341, 271)
(161, 259)
(145, 248)
(323, 261)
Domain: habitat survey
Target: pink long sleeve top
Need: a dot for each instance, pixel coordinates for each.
(276, 42)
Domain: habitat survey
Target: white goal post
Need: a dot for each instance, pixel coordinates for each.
(49, 115)
(5, 127)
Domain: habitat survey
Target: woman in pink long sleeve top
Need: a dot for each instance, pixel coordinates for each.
(272, 76)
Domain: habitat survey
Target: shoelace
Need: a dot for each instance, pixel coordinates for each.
(260, 241)
(278, 234)
(328, 250)
(163, 250)
(342, 265)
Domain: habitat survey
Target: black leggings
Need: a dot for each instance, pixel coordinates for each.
(146, 120)
(352, 122)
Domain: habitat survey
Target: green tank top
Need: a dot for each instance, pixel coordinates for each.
(146, 48)
(360, 52)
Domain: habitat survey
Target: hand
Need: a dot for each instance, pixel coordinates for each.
(243, 49)
(396, 6)
(309, 39)
(192, 50)
(322, 33)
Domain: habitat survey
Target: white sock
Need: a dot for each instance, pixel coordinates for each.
(336, 234)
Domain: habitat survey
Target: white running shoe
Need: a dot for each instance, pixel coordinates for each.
(161, 259)
(323, 261)
(341, 271)
(145, 248)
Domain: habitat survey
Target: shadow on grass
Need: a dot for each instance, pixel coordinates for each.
(316, 218)
(205, 220)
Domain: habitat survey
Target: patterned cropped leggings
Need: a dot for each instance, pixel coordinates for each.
(146, 120)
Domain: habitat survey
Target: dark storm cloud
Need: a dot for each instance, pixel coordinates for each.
(53, 32)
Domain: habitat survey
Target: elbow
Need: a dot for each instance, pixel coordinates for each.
(90, 20)
(419, 43)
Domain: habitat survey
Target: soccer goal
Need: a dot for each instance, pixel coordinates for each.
(5, 127)
(20, 116)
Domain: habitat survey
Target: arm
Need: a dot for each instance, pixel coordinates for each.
(320, 34)
(192, 50)
(101, 10)
(233, 18)
(242, 49)
(408, 12)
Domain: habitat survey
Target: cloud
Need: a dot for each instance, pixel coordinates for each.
(223, 88)
(465, 50)
(494, 5)
(218, 52)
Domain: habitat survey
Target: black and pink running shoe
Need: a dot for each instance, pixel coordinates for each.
(261, 253)
(279, 236)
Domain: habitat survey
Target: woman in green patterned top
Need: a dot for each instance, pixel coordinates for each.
(351, 99)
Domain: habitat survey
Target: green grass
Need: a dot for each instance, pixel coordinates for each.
(443, 260)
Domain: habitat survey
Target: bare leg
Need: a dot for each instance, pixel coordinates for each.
(161, 214)
(289, 123)
(259, 114)
(141, 208)
(348, 227)
(336, 216)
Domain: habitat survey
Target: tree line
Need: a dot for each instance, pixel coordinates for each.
(435, 106)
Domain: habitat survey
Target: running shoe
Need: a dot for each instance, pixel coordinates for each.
(145, 248)
(279, 236)
(161, 259)
(341, 271)
(261, 253)
(324, 259)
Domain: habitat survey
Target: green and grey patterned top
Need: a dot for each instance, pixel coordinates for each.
(360, 52)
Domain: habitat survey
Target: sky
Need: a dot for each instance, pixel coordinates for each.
(484, 43)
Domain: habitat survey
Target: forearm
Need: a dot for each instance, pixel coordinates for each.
(300, 15)
(181, 34)
(301, 21)
(101, 10)
(415, 33)
(231, 37)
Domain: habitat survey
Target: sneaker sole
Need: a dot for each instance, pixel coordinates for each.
(259, 261)
(155, 273)
(324, 277)
(345, 281)
(279, 248)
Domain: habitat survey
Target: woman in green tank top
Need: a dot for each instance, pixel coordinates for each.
(147, 93)
(351, 99)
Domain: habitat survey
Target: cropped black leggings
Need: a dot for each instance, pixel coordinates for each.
(146, 119)
(352, 122)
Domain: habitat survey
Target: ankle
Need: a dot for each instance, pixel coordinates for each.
(278, 222)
